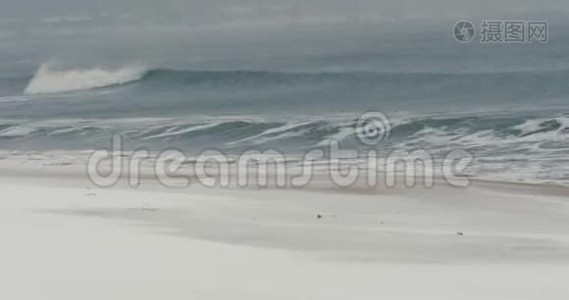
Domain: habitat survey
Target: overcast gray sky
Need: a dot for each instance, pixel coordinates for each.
(223, 11)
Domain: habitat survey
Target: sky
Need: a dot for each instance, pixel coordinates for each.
(76, 30)
(199, 12)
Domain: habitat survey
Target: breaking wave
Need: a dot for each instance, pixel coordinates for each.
(50, 79)
(521, 147)
(425, 132)
(53, 79)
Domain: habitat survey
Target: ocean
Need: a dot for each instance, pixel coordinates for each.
(290, 89)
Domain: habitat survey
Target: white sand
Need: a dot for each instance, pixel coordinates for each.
(64, 239)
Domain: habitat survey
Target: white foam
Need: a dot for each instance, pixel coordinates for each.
(534, 126)
(280, 131)
(170, 133)
(17, 131)
(13, 99)
(49, 79)
(344, 133)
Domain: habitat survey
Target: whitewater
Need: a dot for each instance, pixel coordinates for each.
(49, 79)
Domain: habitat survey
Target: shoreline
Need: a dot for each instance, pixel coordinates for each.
(319, 182)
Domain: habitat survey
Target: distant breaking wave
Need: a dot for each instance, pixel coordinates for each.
(49, 80)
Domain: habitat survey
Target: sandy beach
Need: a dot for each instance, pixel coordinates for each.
(64, 238)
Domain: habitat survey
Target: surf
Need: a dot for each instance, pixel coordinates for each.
(50, 79)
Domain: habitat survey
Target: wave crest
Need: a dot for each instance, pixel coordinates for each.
(49, 79)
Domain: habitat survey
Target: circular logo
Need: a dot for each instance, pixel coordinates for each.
(373, 128)
(464, 31)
